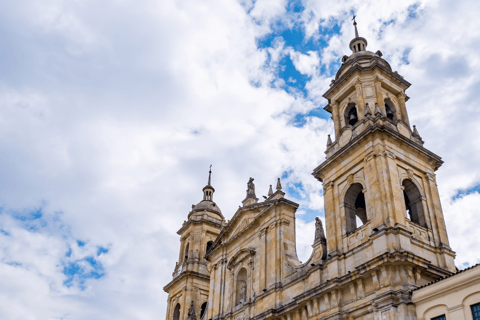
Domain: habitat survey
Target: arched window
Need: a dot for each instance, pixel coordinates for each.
(241, 287)
(413, 203)
(390, 109)
(176, 312)
(209, 245)
(186, 251)
(355, 207)
(351, 114)
(203, 309)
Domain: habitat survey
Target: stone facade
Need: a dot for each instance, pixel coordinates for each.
(385, 231)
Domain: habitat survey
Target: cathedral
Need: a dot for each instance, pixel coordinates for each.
(384, 252)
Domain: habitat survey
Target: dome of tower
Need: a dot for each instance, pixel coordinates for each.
(363, 59)
(207, 205)
(360, 57)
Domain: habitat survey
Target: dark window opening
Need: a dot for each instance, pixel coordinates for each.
(186, 251)
(476, 311)
(209, 246)
(203, 309)
(358, 45)
(442, 317)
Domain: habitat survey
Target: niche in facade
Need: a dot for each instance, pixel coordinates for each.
(241, 287)
(413, 203)
(355, 207)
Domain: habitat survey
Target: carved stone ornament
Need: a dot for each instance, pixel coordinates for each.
(410, 173)
(350, 179)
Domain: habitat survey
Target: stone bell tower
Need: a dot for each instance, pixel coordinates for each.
(382, 207)
(189, 289)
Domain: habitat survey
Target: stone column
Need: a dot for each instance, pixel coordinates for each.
(360, 100)
(360, 291)
(375, 210)
(169, 307)
(379, 95)
(327, 301)
(403, 109)
(336, 118)
(263, 259)
(330, 216)
(437, 209)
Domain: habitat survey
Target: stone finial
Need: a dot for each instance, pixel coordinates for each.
(329, 141)
(319, 233)
(368, 112)
(279, 185)
(415, 131)
(377, 111)
(270, 191)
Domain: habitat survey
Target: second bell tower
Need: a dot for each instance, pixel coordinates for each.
(381, 199)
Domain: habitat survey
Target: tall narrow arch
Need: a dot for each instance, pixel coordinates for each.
(351, 116)
(186, 251)
(241, 287)
(355, 207)
(413, 203)
(203, 310)
(176, 312)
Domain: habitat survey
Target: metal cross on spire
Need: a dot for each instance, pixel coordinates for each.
(209, 175)
(355, 24)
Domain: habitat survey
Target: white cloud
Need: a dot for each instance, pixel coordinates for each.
(305, 63)
(112, 113)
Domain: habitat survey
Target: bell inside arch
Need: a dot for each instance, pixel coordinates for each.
(390, 114)
(352, 117)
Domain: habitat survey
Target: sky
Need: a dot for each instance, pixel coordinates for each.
(111, 113)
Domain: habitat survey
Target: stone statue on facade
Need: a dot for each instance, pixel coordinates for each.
(250, 189)
(319, 233)
(191, 312)
(243, 293)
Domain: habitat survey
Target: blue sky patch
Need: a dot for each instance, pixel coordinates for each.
(102, 250)
(466, 192)
(79, 271)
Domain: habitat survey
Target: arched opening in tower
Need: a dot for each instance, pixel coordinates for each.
(413, 203)
(176, 312)
(355, 207)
